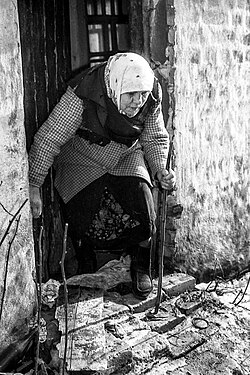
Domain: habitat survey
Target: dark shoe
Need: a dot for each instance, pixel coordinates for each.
(140, 273)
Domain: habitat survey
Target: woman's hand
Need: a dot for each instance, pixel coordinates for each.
(166, 178)
(35, 201)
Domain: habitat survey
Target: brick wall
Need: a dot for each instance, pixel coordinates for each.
(17, 288)
(212, 134)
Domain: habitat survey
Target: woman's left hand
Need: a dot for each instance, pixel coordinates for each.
(166, 178)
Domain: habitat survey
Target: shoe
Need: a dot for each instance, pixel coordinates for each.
(140, 273)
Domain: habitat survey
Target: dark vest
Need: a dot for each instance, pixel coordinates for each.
(101, 121)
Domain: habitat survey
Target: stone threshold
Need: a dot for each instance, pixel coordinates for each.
(106, 329)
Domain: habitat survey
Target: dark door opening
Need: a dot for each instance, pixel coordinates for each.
(98, 29)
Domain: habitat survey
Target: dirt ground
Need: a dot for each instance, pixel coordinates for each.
(217, 335)
(203, 331)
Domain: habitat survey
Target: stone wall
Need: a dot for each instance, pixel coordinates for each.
(212, 134)
(17, 288)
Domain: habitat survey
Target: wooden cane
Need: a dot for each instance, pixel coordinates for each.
(163, 215)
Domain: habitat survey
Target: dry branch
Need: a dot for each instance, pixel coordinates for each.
(65, 293)
(11, 221)
(7, 266)
(39, 295)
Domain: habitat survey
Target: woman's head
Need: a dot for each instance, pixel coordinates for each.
(130, 81)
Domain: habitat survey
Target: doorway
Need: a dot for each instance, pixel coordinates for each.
(98, 29)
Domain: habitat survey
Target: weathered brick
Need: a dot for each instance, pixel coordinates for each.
(177, 283)
(170, 237)
(170, 16)
(188, 307)
(169, 53)
(138, 306)
(171, 36)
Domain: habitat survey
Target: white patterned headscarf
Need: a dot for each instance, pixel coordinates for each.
(127, 72)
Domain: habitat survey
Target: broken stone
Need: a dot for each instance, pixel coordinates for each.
(188, 302)
(188, 307)
(177, 283)
(166, 319)
(86, 334)
(107, 277)
(171, 285)
(136, 349)
(113, 305)
(137, 306)
(169, 367)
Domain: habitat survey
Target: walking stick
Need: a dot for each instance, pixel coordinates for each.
(163, 214)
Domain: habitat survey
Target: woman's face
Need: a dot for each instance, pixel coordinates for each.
(131, 102)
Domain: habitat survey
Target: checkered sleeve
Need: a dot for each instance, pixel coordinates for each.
(60, 126)
(155, 139)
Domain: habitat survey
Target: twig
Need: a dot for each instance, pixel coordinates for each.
(243, 294)
(5, 209)
(65, 293)
(39, 295)
(189, 350)
(11, 221)
(7, 266)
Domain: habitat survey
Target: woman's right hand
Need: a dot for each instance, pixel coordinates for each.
(35, 201)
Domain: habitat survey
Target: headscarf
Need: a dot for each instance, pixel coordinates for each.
(127, 72)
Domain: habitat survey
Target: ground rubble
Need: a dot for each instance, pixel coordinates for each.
(199, 329)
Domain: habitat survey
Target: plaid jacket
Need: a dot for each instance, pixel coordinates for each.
(78, 163)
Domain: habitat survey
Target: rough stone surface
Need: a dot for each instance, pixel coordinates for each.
(212, 137)
(137, 306)
(123, 317)
(177, 283)
(113, 305)
(166, 319)
(86, 336)
(107, 277)
(212, 339)
(17, 288)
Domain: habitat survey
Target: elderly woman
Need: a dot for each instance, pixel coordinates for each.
(98, 136)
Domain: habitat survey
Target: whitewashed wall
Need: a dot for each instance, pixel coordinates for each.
(17, 288)
(212, 136)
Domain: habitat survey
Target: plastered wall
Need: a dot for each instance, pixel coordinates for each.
(17, 288)
(212, 134)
